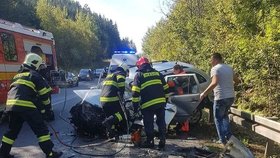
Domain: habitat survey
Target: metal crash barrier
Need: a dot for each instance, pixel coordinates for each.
(263, 126)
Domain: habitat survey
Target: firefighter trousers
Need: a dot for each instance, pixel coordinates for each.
(114, 109)
(35, 120)
(148, 118)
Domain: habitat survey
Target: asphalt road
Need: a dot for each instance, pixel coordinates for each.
(26, 145)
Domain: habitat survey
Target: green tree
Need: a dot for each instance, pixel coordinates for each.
(245, 32)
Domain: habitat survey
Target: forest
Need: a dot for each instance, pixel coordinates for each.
(245, 32)
(82, 37)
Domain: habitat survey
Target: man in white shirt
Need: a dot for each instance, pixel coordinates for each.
(223, 79)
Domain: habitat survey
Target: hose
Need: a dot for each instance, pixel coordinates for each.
(71, 146)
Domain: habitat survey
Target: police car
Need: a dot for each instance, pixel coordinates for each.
(188, 104)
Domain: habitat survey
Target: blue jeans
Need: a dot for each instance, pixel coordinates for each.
(221, 108)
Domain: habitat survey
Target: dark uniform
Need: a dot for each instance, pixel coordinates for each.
(28, 98)
(113, 87)
(45, 73)
(150, 85)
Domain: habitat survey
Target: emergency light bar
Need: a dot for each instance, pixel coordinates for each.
(125, 52)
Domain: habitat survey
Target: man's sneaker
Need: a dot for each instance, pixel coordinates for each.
(54, 154)
(219, 142)
(6, 156)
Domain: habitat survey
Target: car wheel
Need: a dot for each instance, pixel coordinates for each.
(196, 116)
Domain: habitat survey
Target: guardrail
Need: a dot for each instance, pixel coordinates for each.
(263, 126)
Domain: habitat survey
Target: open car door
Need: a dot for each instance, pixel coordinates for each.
(185, 95)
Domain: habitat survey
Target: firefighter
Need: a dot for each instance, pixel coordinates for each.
(27, 101)
(150, 86)
(112, 89)
(44, 72)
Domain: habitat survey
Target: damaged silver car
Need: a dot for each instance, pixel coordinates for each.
(189, 106)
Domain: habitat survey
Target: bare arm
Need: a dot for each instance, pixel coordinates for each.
(212, 85)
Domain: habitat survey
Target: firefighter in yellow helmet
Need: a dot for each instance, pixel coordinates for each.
(113, 87)
(28, 100)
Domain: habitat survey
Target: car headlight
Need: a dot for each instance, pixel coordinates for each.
(87, 75)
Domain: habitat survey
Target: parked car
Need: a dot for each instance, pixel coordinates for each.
(98, 72)
(189, 106)
(85, 75)
(72, 80)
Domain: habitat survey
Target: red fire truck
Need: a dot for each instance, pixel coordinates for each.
(16, 41)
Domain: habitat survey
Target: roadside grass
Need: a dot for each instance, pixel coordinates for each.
(206, 132)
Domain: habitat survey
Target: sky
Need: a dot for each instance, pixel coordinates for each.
(133, 17)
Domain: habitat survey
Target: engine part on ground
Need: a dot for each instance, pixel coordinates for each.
(92, 96)
(237, 149)
(194, 152)
(88, 119)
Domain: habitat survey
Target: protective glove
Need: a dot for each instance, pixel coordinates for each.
(4, 117)
(48, 116)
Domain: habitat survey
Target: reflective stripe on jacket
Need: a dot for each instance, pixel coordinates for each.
(150, 86)
(112, 85)
(28, 90)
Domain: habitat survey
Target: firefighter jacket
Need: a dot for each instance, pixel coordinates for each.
(112, 87)
(150, 85)
(28, 90)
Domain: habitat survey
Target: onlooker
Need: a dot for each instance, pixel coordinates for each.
(222, 83)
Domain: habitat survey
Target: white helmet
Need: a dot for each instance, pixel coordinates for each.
(124, 66)
(33, 60)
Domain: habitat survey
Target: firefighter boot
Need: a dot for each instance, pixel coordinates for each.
(149, 143)
(54, 154)
(5, 151)
(108, 123)
(6, 156)
(161, 144)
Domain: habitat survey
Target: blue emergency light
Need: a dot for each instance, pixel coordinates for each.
(125, 52)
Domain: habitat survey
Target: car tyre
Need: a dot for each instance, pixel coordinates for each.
(196, 116)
